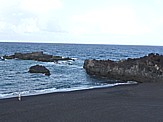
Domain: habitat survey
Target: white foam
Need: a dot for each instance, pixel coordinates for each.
(74, 58)
(51, 90)
(48, 63)
(9, 95)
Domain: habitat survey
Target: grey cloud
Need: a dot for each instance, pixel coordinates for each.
(53, 25)
(15, 16)
(17, 19)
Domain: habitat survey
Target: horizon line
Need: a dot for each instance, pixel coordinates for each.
(36, 42)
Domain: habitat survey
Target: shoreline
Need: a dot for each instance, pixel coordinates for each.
(50, 91)
(141, 102)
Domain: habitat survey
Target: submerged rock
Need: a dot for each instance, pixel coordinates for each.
(145, 69)
(39, 69)
(38, 56)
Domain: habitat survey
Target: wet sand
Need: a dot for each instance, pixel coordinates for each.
(129, 103)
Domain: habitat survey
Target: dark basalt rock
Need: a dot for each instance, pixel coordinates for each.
(37, 56)
(145, 69)
(39, 69)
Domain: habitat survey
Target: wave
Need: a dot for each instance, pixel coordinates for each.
(54, 90)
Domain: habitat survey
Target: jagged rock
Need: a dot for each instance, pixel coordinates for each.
(39, 69)
(37, 56)
(145, 69)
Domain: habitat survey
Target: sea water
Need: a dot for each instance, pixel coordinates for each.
(65, 75)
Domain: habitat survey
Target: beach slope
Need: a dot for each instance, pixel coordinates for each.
(132, 103)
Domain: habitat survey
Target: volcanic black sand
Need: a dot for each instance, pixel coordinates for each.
(130, 103)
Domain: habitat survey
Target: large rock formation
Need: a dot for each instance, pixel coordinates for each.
(145, 69)
(39, 69)
(38, 56)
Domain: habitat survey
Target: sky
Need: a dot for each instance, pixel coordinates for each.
(128, 22)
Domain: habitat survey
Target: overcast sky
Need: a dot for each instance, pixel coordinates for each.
(132, 22)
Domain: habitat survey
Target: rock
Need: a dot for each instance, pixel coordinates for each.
(39, 69)
(2, 59)
(144, 69)
(37, 56)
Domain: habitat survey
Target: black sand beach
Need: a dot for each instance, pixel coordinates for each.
(131, 103)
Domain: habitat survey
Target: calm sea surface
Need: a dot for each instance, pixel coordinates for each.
(65, 76)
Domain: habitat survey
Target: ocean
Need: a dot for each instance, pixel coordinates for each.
(66, 75)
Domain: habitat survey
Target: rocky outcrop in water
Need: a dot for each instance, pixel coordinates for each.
(39, 69)
(2, 59)
(37, 56)
(145, 69)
